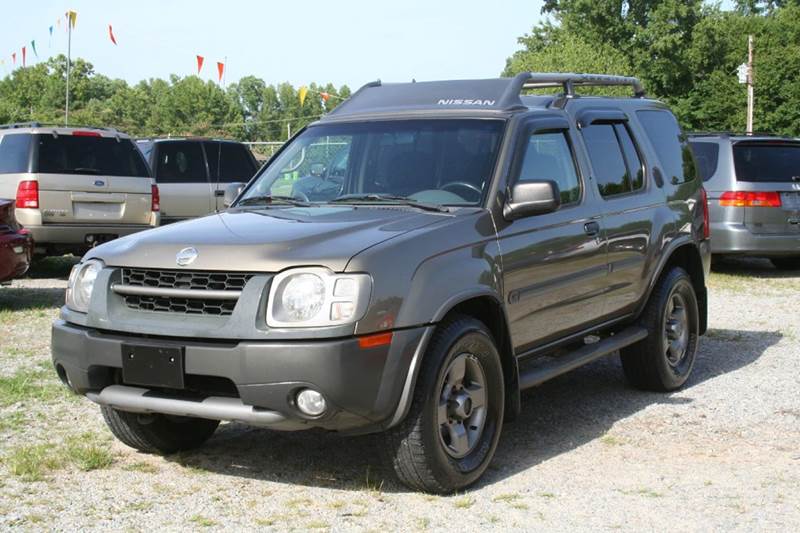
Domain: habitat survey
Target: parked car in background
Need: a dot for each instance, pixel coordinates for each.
(75, 187)
(753, 185)
(193, 174)
(16, 246)
(469, 249)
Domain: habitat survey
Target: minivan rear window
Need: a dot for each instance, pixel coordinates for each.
(767, 161)
(706, 155)
(15, 153)
(85, 154)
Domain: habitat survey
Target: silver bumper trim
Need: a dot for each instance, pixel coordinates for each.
(139, 400)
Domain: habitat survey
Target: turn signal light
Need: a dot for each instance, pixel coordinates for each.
(750, 199)
(28, 194)
(375, 340)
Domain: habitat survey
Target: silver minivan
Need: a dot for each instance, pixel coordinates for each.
(753, 186)
(193, 174)
(75, 187)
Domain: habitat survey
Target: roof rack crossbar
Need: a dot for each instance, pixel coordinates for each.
(569, 81)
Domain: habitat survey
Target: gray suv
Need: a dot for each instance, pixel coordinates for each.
(408, 265)
(753, 185)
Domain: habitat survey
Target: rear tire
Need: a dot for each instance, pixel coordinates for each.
(664, 360)
(451, 431)
(157, 433)
(786, 263)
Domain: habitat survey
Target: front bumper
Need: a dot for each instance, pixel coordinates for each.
(731, 238)
(363, 387)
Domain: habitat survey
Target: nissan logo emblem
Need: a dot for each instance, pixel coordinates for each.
(186, 256)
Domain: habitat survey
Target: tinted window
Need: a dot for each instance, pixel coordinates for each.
(236, 163)
(14, 153)
(765, 162)
(670, 145)
(632, 160)
(180, 162)
(548, 157)
(85, 154)
(706, 155)
(605, 153)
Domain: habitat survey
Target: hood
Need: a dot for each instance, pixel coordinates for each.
(266, 240)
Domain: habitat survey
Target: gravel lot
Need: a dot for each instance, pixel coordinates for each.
(588, 453)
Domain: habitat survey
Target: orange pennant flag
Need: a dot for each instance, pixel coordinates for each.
(14, 58)
(111, 34)
(23, 57)
(200, 60)
(220, 69)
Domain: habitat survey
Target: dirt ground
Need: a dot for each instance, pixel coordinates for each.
(588, 453)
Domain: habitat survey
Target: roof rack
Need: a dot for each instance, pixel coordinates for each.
(736, 134)
(568, 81)
(52, 125)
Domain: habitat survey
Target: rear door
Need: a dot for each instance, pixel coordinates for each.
(181, 172)
(771, 170)
(228, 162)
(88, 178)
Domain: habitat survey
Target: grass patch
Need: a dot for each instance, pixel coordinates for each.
(317, 524)
(464, 502)
(143, 467)
(507, 498)
(611, 440)
(33, 462)
(29, 384)
(12, 422)
(202, 521)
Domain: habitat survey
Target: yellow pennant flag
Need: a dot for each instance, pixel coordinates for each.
(302, 94)
(73, 17)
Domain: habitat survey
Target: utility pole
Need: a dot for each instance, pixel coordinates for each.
(750, 92)
(69, 60)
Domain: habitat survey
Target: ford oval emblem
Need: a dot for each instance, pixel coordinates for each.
(99, 183)
(186, 256)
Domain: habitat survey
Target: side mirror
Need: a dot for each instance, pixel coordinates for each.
(232, 190)
(317, 170)
(532, 198)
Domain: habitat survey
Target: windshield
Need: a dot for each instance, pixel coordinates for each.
(441, 162)
(767, 161)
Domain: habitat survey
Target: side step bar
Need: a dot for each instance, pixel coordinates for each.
(586, 354)
(139, 400)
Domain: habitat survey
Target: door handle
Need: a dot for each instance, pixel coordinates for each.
(591, 228)
(219, 193)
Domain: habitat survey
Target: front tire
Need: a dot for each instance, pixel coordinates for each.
(157, 433)
(451, 432)
(786, 263)
(664, 360)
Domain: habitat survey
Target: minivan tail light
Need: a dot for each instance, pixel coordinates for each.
(750, 199)
(28, 194)
(155, 199)
(706, 218)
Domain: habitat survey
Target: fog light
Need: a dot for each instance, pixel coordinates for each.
(311, 402)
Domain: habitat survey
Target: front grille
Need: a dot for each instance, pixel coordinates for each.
(183, 279)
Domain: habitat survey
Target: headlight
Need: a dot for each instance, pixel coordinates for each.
(315, 297)
(81, 284)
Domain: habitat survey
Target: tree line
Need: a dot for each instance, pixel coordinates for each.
(248, 110)
(685, 51)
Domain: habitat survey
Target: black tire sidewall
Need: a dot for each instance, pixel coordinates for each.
(673, 377)
(470, 337)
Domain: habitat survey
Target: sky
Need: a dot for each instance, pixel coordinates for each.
(344, 41)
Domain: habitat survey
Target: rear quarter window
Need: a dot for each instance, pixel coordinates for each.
(767, 161)
(706, 155)
(84, 154)
(677, 161)
(15, 153)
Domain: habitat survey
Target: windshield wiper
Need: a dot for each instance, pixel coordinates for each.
(390, 199)
(270, 199)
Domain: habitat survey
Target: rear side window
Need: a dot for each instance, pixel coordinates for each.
(548, 157)
(615, 160)
(706, 155)
(232, 160)
(767, 161)
(180, 162)
(670, 145)
(85, 154)
(15, 153)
